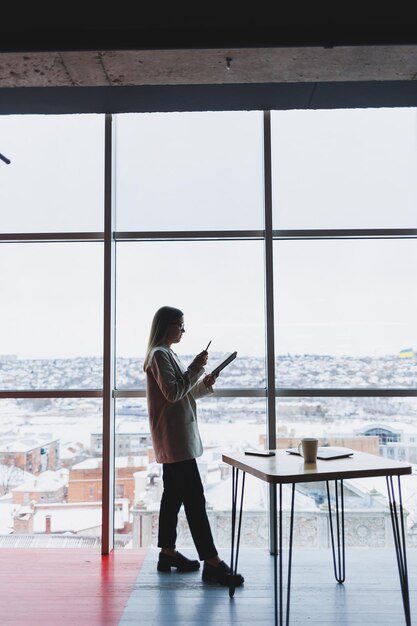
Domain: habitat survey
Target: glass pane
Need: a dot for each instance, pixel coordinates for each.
(50, 474)
(189, 171)
(226, 424)
(51, 315)
(345, 313)
(381, 426)
(219, 286)
(352, 168)
(55, 181)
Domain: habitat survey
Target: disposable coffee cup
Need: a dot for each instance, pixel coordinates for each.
(308, 449)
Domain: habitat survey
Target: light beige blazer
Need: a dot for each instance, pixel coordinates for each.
(172, 390)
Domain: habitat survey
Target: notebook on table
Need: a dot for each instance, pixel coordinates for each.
(327, 452)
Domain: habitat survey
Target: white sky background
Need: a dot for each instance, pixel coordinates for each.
(331, 169)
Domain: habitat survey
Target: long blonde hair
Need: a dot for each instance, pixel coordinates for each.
(159, 329)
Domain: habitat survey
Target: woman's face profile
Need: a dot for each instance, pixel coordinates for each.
(175, 331)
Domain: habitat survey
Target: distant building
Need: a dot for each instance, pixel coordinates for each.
(33, 454)
(77, 518)
(367, 517)
(127, 442)
(361, 443)
(5, 358)
(398, 442)
(46, 487)
(72, 452)
(407, 353)
(85, 479)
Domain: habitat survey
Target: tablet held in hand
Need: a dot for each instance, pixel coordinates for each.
(223, 363)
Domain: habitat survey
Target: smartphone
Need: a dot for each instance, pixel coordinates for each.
(260, 452)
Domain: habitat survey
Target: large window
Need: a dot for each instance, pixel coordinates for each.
(189, 171)
(51, 316)
(51, 320)
(348, 168)
(344, 200)
(189, 216)
(345, 309)
(55, 180)
(302, 258)
(219, 286)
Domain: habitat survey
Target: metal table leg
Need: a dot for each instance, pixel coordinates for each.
(398, 528)
(284, 611)
(281, 611)
(339, 566)
(278, 542)
(235, 489)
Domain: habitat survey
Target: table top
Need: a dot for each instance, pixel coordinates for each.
(289, 468)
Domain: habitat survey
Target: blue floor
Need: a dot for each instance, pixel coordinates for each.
(370, 595)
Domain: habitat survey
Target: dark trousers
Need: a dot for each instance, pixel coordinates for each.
(182, 485)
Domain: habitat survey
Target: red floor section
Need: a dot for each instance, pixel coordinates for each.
(66, 587)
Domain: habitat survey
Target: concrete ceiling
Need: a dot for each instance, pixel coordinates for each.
(178, 47)
(221, 66)
(183, 63)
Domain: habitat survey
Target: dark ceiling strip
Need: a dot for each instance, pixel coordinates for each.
(236, 97)
(182, 31)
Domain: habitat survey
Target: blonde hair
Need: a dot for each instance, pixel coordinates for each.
(162, 319)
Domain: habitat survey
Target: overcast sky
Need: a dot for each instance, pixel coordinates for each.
(331, 169)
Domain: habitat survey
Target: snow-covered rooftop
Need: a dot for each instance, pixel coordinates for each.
(120, 462)
(45, 482)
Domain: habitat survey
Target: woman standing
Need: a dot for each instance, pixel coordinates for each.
(172, 390)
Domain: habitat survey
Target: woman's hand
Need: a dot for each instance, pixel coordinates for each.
(209, 380)
(200, 360)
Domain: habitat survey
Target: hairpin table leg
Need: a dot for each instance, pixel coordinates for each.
(235, 490)
(339, 566)
(398, 528)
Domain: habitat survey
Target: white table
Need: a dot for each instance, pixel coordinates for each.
(287, 469)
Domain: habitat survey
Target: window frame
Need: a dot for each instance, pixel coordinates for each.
(109, 393)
